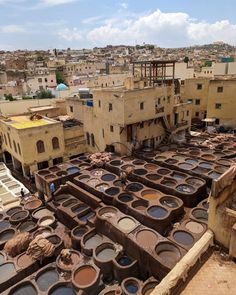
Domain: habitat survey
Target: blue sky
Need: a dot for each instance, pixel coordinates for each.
(44, 24)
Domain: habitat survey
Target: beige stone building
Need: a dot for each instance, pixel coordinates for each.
(33, 143)
(212, 98)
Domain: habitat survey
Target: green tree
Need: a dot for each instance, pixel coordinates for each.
(186, 59)
(44, 94)
(60, 78)
(9, 97)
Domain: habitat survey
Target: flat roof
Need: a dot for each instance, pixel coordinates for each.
(42, 108)
(23, 122)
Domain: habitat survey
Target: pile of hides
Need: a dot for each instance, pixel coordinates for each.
(18, 244)
(40, 248)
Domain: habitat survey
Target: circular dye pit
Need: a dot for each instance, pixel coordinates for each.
(108, 177)
(185, 188)
(171, 161)
(153, 177)
(54, 169)
(7, 271)
(60, 199)
(186, 166)
(73, 170)
(200, 214)
(25, 289)
(13, 210)
(183, 238)
(75, 162)
(124, 261)
(194, 153)
(191, 161)
(79, 231)
(169, 253)
(134, 187)
(79, 208)
(160, 158)
(32, 205)
(102, 187)
(106, 254)
(220, 169)
(127, 159)
(169, 182)
(150, 195)
(215, 175)
(84, 166)
(50, 177)
(146, 238)
(126, 167)
(140, 205)
(46, 279)
(116, 163)
(61, 173)
(84, 178)
(224, 162)
(112, 191)
(46, 220)
(93, 182)
(93, 241)
(74, 261)
(177, 175)
(19, 216)
(62, 290)
(163, 171)
(43, 212)
(44, 172)
(117, 183)
(194, 227)
(70, 203)
(107, 212)
(140, 171)
(85, 276)
(125, 198)
(169, 202)
(24, 261)
(208, 157)
(205, 165)
(6, 234)
(157, 212)
(151, 167)
(97, 172)
(26, 226)
(4, 224)
(126, 224)
(195, 181)
(131, 286)
(138, 162)
(178, 158)
(87, 216)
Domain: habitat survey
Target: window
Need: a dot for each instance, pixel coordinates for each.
(9, 140)
(40, 147)
(14, 144)
(187, 113)
(197, 101)
(197, 114)
(40, 80)
(190, 100)
(103, 134)
(19, 150)
(88, 138)
(92, 140)
(182, 82)
(159, 101)
(110, 107)
(99, 103)
(5, 138)
(111, 128)
(220, 89)
(71, 109)
(46, 80)
(199, 86)
(217, 121)
(55, 143)
(141, 125)
(218, 106)
(141, 105)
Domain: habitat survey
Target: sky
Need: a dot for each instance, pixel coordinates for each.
(47, 24)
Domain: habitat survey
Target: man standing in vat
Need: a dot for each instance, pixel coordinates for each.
(124, 175)
(52, 189)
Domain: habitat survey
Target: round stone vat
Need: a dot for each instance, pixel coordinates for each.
(108, 177)
(194, 227)
(85, 276)
(169, 182)
(191, 161)
(221, 169)
(153, 177)
(128, 166)
(146, 238)
(19, 216)
(84, 166)
(7, 234)
(84, 178)
(138, 162)
(25, 288)
(70, 203)
(79, 231)
(178, 157)
(148, 288)
(151, 167)
(32, 205)
(46, 278)
(61, 289)
(44, 231)
(41, 212)
(57, 200)
(102, 187)
(185, 166)
(150, 195)
(54, 169)
(177, 175)
(124, 260)
(75, 162)
(127, 159)
(70, 264)
(208, 157)
(93, 182)
(140, 171)
(214, 175)
(163, 171)
(157, 212)
(169, 253)
(116, 163)
(13, 210)
(7, 271)
(47, 221)
(105, 252)
(112, 191)
(43, 172)
(54, 239)
(126, 224)
(194, 153)
(185, 189)
(171, 161)
(24, 260)
(200, 214)
(107, 212)
(160, 158)
(92, 240)
(86, 216)
(134, 187)
(206, 165)
(72, 170)
(61, 173)
(27, 226)
(170, 202)
(50, 177)
(224, 162)
(118, 183)
(183, 238)
(125, 198)
(195, 181)
(130, 286)
(79, 208)
(140, 205)
(97, 172)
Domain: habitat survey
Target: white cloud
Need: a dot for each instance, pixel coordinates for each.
(124, 5)
(55, 2)
(11, 29)
(70, 35)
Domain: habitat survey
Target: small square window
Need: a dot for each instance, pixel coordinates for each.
(199, 86)
(141, 125)
(99, 103)
(103, 133)
(197, 114)
(197, 101)
(220, 89)
(141, 105)
(110, 107)
(218, 106)
(190, 100)
(187, 113)
(217, 121)
(71, 109)
(111, 128)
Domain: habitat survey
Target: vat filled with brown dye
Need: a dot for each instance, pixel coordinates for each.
(85, 277)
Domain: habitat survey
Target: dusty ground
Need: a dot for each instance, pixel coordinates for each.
(216, 277)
